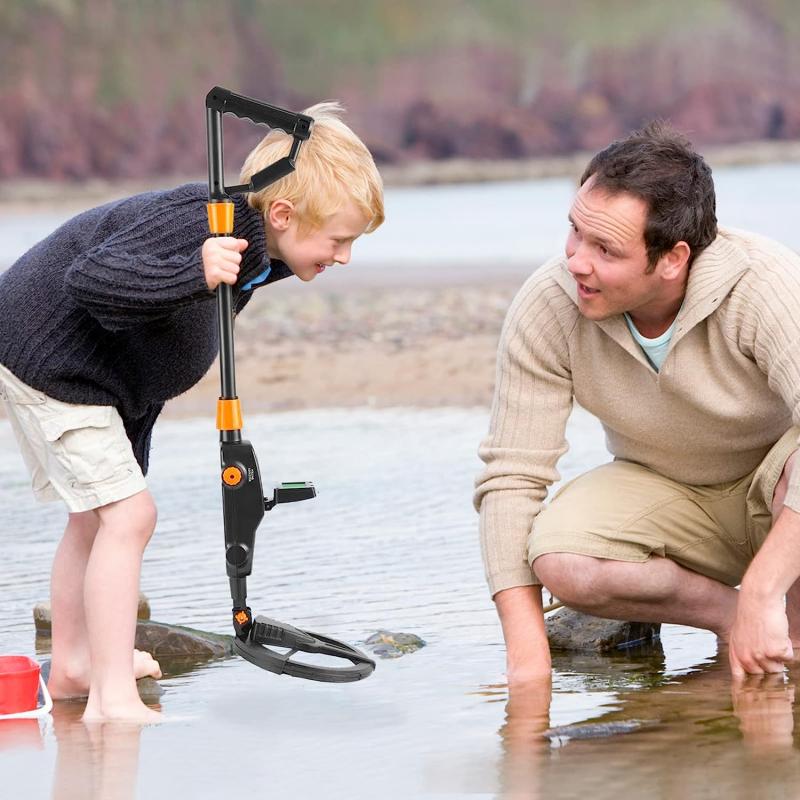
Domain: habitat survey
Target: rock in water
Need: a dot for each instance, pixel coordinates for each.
(164, 641)
(572, 630)
(393, 645)
(598, 730)
(42, 618)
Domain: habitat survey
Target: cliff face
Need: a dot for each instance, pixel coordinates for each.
(116, 89)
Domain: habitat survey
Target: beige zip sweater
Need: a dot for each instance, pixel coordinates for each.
(727, 390)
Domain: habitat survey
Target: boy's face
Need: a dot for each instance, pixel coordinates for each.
(308, 254)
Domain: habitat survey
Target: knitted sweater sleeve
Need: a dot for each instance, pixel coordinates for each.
(764, 314)
(146, 269)
(532, 401)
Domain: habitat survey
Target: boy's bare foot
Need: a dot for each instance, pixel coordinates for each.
(135, 712)
(64, 685)
(145, 666)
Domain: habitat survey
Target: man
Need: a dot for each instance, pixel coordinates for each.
(684, 340)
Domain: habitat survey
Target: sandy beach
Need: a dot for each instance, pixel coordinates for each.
(308, 346)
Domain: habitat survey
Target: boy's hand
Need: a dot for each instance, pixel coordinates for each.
(221, 259)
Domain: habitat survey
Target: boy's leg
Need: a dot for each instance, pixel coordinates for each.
(70, 671)
(111, 594)
(70, 667)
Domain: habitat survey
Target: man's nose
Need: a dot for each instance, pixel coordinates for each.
(578, 262)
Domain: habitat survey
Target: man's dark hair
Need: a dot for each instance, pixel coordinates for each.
(659, 165)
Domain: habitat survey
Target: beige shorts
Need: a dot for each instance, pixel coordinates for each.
(627, 512)
(79, 454)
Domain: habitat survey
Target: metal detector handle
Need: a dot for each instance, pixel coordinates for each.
(227, 102)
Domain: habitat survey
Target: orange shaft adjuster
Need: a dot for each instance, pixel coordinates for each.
(220, 217)
(229, 415)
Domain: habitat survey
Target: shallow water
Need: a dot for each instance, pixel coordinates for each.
(489, 231)
(390, 542)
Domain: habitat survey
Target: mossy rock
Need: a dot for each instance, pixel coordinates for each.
(393, 645)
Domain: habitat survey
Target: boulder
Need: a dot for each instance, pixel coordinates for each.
(574, 631)
(168, 642)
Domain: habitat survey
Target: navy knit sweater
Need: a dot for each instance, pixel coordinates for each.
(113, 308)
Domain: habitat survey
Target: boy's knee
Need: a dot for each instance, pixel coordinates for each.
(83, 524)
(572, 578)
(137, 514)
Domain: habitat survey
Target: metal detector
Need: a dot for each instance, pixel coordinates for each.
(243, 501)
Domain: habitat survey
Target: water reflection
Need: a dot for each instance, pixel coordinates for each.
(701, 734)
(95, 761)
(523, 741)
(764, 707)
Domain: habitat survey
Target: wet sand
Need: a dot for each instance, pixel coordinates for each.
(349, 345)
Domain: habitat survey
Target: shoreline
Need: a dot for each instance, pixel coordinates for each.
(307, 347)
(31, 194)
(374, 347)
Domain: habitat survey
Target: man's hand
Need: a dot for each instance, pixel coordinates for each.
(221, 259)
(759, 640)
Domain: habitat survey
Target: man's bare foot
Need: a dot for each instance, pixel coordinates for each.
(74, 683)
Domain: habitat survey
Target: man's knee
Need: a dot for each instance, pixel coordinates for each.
(572, 578)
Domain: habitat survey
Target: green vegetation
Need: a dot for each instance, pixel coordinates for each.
(319, 43)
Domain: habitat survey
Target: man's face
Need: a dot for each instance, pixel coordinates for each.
(606, 254)
(308, 254)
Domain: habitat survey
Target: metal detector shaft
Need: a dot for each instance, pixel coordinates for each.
(243, 500)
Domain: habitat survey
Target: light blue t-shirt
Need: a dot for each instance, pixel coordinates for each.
(258, 279)
(654, 349)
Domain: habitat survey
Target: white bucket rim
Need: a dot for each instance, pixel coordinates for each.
(41, 711)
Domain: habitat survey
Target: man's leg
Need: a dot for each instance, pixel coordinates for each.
(624, 542)
(111, 593)
(657, 590)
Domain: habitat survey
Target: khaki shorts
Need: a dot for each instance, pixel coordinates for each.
(79, 454)
(627, 512)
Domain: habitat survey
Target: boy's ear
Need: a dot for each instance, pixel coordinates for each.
(280, 214)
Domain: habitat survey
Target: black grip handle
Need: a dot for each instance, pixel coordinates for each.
(227, 102)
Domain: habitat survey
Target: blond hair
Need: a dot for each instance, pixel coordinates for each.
(332, 164)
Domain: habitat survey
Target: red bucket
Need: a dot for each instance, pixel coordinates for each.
(19, 684)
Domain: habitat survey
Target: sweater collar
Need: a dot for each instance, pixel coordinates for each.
(249, 224)
(714, 273)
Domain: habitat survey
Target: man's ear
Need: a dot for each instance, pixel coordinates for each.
(280, 214)
(673, 263)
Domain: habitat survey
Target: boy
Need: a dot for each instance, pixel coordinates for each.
(111, 316)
